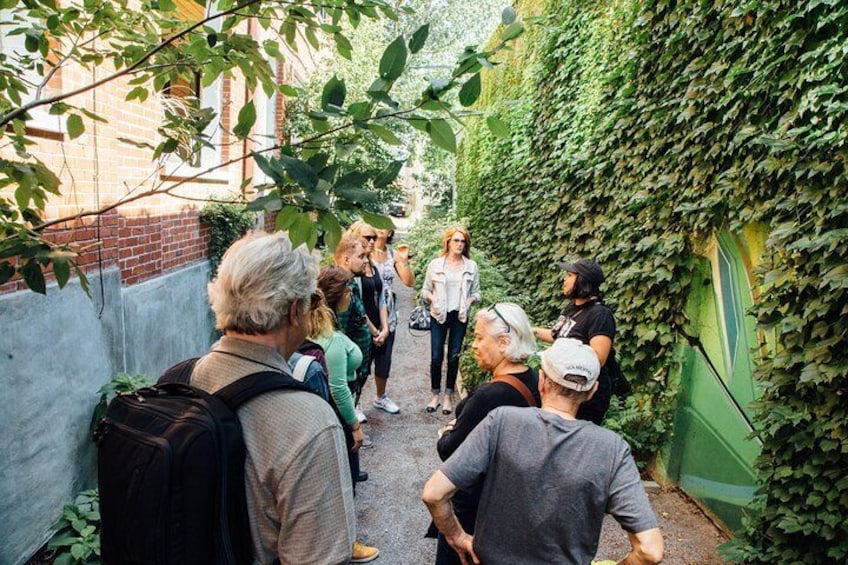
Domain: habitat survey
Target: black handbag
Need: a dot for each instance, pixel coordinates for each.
(419, 318)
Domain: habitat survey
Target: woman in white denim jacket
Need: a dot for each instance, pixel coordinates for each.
(451, 286)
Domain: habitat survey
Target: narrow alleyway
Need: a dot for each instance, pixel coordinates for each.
(390, 514)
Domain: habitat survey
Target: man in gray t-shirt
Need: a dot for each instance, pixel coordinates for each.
(548, 478)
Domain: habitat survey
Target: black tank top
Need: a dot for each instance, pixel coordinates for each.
(372, 289)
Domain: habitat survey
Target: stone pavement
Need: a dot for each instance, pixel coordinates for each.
(390, 514)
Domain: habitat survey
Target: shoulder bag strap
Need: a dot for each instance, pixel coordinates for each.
(518, 385)
(179, 373)
(237, 393)
(301, 367)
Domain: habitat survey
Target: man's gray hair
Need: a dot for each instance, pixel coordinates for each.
(522, 343)
(258, 279)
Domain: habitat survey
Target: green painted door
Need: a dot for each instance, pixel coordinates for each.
(712, 455)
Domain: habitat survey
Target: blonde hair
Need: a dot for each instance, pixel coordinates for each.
(347, 244)
(449, 233)
(259, 278)
(322, 320)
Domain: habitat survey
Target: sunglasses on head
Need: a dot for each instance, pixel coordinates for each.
(492, 308)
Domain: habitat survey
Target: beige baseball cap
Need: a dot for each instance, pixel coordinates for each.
(568, 357)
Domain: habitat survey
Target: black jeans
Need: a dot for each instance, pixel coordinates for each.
(452, 331)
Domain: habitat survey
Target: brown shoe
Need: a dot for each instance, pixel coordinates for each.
(363, 553)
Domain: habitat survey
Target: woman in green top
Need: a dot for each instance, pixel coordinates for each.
(342, 357)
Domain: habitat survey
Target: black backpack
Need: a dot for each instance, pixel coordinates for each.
(170, 469)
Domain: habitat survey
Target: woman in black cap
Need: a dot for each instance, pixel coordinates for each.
(588, 319)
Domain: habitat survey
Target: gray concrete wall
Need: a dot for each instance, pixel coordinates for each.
(56, 351)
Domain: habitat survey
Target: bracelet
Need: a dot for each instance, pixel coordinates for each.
(357, 428)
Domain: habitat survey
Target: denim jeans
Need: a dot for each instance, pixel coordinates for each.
(452, 331)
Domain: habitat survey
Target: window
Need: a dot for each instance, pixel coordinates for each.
(12, 46)
(177, 97)
(266, 126)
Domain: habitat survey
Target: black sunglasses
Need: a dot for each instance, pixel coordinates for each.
(499, 315)
(371, 237)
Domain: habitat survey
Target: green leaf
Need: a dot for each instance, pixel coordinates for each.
(272, 48)
(75, 126)
(378, 221)
(7, 271)
(512, 31)
(508, 15)
(442, 135)
(332, 228)
(384, 134)
(62, 271)
(299, 171)
(33, 277)
(419, 38)
(388, 175)
(470, 91)
(343, 46)
(497, 127)
(334, 94)
(393, 60)
(300, 228)
(285, 217)
(246, 119)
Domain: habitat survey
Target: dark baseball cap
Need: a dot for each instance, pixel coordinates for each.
(586, 268)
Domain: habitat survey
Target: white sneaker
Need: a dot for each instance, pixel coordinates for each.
(366, 441)
(360, 415)
(387, 404)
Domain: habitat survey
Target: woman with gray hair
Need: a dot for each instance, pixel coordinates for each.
(503, 340)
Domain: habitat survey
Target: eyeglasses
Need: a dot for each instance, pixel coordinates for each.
(371, 237)
(458, 240)
(499, 315)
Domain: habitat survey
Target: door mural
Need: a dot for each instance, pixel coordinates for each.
(712, 455)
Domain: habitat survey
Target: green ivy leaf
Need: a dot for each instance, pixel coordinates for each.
(75, 126)
(470, 91)
(393, 61)
(300, 229)
(246, 119)
(419, 38)
(442, 135)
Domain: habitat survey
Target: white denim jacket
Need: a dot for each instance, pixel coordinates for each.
(435, 284)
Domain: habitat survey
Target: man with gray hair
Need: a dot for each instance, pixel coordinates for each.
(297, 483)
(548, 478)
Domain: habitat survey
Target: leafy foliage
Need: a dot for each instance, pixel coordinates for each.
(77, 540)
(121, 384)
(227, 222)
(637, 131)
(156, 46)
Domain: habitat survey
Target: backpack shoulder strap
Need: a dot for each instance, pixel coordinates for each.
(179, 373)
(301, 367)
(518, 385)
(237, 393)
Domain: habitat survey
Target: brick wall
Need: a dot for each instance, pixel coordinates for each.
(147, 237)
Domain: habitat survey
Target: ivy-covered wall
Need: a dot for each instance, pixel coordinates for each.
(641, 129)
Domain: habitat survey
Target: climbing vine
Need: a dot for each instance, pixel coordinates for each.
(227, 222)
(639, 130)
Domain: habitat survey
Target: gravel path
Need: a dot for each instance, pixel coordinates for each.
(389, 512)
